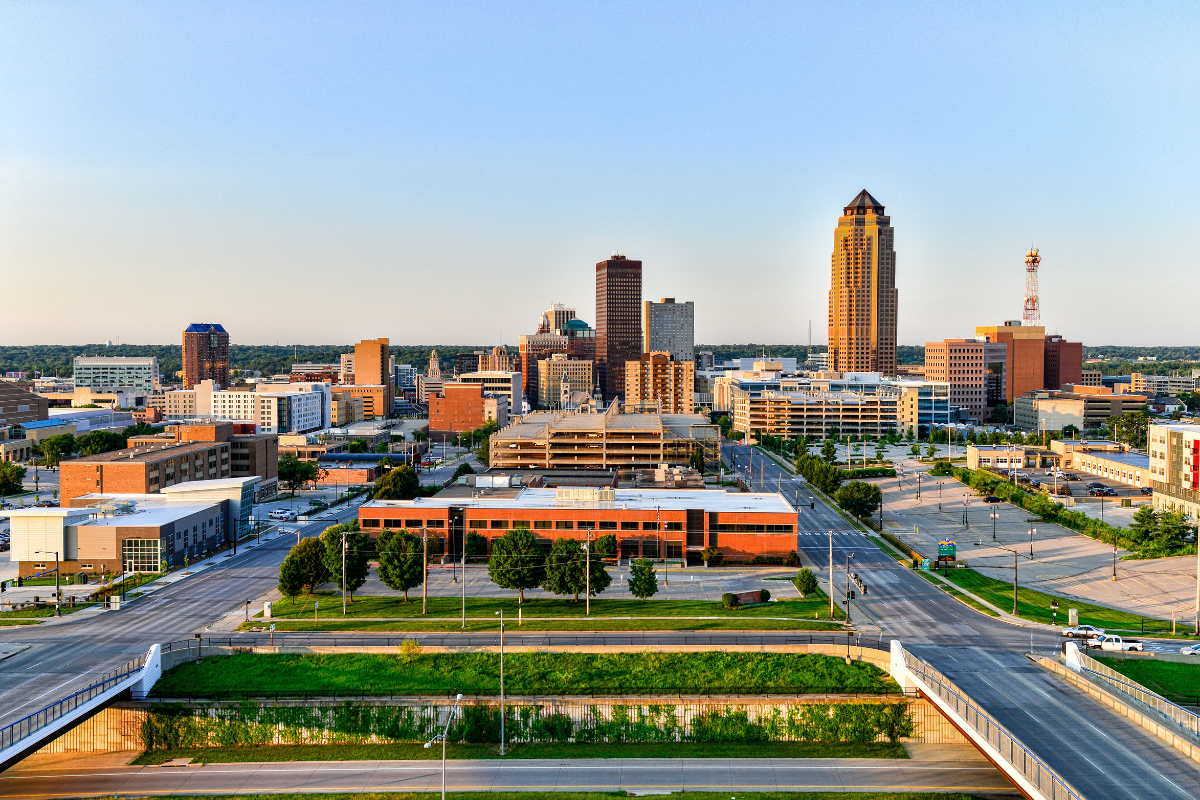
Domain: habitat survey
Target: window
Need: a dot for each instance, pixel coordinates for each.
(85, 566)
(608, 525)
(499, 524)
(371, 523)
(586, 526)
(435, 523)
(564, 525)
(478, 523)
(412, 523)
(520, 523)
(541, 524)
(140, 555)
(649, 526)
(39, 566)
(674, 526)
(629, 526)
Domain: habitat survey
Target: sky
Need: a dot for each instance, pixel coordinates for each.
(440, 173)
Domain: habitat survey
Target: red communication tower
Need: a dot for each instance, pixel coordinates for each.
(1033, 307)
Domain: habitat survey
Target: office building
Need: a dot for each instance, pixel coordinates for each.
(676, 523)
(1168, 385)
(1174, 450)
(302, 407)
(618, 321)
(345, 409)
(560, 440)
(373, 367)
(656, 379)
(1091, 377)
(862, 291)
(995, 375)
(535, 348)
(499, 360)
(126, 372)
(467, 362)
(405, 377)
(18, 405)
(205, 355)
(1063, 362)
(961, 364)
(461, 407)
(503, 384)
(1084, 407)
(552, 371)
(143, 470)
(1025, 358)
(669, 327)
(705, 360)
(555, 318)
(85, 397)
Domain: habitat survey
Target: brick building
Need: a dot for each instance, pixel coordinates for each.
(647, 523)
(658, 378)
(460, 407)
(960, 363)
(618, 321)
(205, 355)
(250, 454)
(18, 405)
(1063, 362)
(143, 469)
(1026, 357)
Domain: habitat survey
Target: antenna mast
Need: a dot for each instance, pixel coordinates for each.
(1033, 306)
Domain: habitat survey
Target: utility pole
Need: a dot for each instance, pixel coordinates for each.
(587, 576)
(1014, 583)
(464, 580)
(831, 573)
(425, 572)
(343, 573)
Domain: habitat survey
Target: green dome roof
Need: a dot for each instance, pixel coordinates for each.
(575, 325)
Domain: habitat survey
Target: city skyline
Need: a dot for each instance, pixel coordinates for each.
(190, 152)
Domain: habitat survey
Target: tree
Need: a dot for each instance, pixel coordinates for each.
(463, 469)
(564, 571)
(517, 562)
(806, 582)
(291, 577)
(401, 561)
(310, 555)
(931, 451)
(56, 448)
(829, 452)
(982, 482)
(643, 581)
(357, 556)
(1143, 528)
(295, 473)
(1131, 428)
(97, 442)
(383, 447)
(606, 545)
(11, 476)
(399, 484)
(139, 429)
(1070, 432)
(915, 449)
(357, 446)
(698, 459)
(476, 544)
(1173, 529)
(860, 498)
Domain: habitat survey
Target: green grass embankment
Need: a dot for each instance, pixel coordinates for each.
(525, 674)
(1179, 683)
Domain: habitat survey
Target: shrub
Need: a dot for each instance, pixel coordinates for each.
(806, 582)
(766, 596)
(712, 556)
(793, 559)
(729, 600)
(476, 543)
(606, 545)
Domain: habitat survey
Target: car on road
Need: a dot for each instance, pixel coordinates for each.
(282, 514)
(1111, 641)
(1193, 650)
(1146, 490)
(1095, 485)
(1051, 473)
(1082, 631)
(991, 498)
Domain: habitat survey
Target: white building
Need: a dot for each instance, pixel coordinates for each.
(1174, 451)
(303, 407)
(669, 327)
(131, 372)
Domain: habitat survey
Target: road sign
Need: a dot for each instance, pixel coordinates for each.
(925, 564)
(947, 549)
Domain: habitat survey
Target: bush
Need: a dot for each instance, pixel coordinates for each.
(766, 596)
(712, 556)
(606, 545)
(729, 600)
(793, 559)
(476, 544)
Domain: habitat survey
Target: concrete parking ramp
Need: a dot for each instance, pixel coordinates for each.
(1051, 740)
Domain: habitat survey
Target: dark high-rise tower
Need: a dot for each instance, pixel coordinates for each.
(205, 355)
(862, 290)
(618, 321)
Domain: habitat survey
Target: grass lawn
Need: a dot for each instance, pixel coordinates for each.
(595, 796)
(1177, 682)
(957, 595)
(1035, 606)
(443, 674)
(373, 613)
(5, 622)
(42, 611)
(413, 752)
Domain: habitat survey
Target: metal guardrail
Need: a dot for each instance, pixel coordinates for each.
(31, 724)
(1185, 719)
(1029, 766)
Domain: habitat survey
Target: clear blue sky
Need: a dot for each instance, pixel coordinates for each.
(325, 172)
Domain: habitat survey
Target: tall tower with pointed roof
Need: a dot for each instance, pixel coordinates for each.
(862, 290)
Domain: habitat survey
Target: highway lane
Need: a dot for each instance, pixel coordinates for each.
(958, 771)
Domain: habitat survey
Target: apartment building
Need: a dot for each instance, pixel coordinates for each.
(961, 363)
(563, 440)
(675, 523)
(657, 378)
(1169, 385)
(552, 371)
(1174, 451)
(206, 355)
(670, 327)
(128, 372)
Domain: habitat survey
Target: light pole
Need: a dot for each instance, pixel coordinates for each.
(587, 577)
(464, 580)
(1032, 531)
(1114, 577)
(831, 573)
(343, 573)
(445, 733)
(57, 591)
(501, 613)
(939, 495)
(995, 515)
(848, 557)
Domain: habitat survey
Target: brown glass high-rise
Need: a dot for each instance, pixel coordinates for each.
(618, 321)
(205, 355)
(862, 290)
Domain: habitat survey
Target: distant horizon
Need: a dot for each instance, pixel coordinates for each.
(514, 345)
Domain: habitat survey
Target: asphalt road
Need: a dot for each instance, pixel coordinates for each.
(608, 775)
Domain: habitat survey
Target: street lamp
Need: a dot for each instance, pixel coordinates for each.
(57, 591)
(1032, 531)
(501, 614)
(995, 515)
(939, 495)
(445, 733)
(848, 557)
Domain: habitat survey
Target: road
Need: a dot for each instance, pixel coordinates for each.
(963, 773)
(1093, 748)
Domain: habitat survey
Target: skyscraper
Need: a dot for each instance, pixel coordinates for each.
(618, 321)
(205, 355)
(669, 326)
(372, 365)
(862, 291)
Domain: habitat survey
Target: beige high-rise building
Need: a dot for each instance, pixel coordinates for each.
(655, 377)
(550, 377)
(862, 290)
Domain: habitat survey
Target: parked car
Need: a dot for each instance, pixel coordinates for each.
(1095, 485)
(991, 498)
(1070, 477)
(1111, 641)
(1193, 650)
(1146, 490)
(1082, 631)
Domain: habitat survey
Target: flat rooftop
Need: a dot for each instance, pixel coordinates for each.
(1136, 460)
(626, 499)
(148, 453)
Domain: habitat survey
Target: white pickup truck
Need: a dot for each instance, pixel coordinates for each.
(1110, 642)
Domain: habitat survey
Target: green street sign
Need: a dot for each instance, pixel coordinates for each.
(947, 549)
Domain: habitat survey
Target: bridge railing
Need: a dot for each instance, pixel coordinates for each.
(1023, 761)
(1188, 720)
(29, 725)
